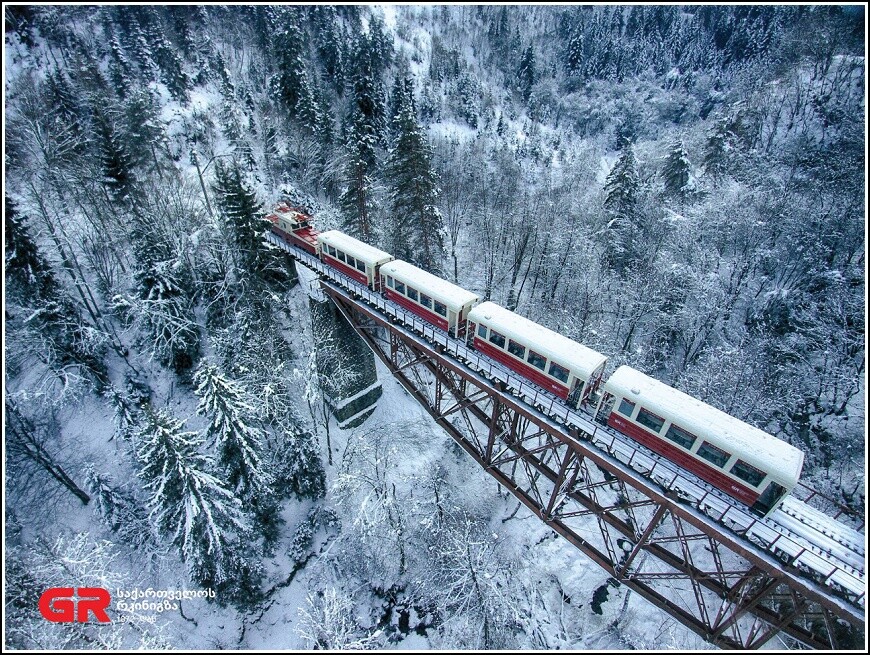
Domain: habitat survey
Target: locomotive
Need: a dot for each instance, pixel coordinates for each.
(744, 462)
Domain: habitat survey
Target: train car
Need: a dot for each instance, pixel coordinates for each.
(352, 257)
(562, 366)
(438, 301)
(746, 463)
(294, 227)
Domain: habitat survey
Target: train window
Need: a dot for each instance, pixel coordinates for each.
(715, 456)
(442, 309)
(400, 287)
(360, 266)
(481, 330)
(331, 251)
(650, 420)
(425, 300)
(626, 408)
(537, 360)
(496, 338)
(748, 473)
(558, 372)
(342, 257)
(516, 349)
(389, 282)
(681, 437)
(412, 294)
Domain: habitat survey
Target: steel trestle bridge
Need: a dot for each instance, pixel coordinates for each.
(735, 579)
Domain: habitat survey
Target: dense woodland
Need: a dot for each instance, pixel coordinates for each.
(680, 188)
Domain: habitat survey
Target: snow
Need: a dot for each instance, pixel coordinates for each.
(754, 446)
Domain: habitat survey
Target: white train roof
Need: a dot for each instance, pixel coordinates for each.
(582, 361)
(752, 445)
(363, 251)
(452, 296)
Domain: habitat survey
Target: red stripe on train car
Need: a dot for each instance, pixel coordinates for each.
(530, 372)
(703, 471)
(305, 241)
(347, 270)
(420, 311)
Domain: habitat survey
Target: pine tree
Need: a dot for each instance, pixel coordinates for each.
(292, 79)
(368, 92)
(417, 230)
(622, 189)
(243, 215)
(116, 163)
(676, 171)
(357, 199)
(527, 73)
(574, 59)
(237, 442)
(188, 505)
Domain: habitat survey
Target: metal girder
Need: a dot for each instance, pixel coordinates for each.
(697, 571)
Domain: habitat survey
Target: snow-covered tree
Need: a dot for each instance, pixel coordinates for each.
(622, 187)
(357, 199)
(417, 230)
(191, 507)
(676, 172)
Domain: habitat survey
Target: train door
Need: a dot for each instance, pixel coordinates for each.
(605, 406)
(451, 322)
(577, 394)
(768, 498)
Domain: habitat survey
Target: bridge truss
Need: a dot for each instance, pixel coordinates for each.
(702, 573)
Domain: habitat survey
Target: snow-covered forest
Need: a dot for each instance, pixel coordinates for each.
(678, 187)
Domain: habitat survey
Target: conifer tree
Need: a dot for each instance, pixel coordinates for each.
(527, 73)
(622, 189)
(417, 233)
(116, 163)
(357, 199)
(676, 171)
(242, 213)
(188, 505)
(236, 441)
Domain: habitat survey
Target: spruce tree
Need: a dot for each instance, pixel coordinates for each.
(417, 232)
(527, 73)
(622, 189)
(243, 215)
(116, 163)
(356, 200)
(188, 505)
(676, 171)
(231, 432)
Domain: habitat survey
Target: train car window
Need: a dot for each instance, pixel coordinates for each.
(342, 257)
(496, 338)
(558, 372)
(400, 287)
(412, 294)
(360, 266)
(481, 330)
(536, 360)
(650, 420)
(747, 473)
(425, 300)
(516, 349)
(331, 251)
(626, 408)
(442, 309)
(715, 456)
(389, 282)
(681, 437)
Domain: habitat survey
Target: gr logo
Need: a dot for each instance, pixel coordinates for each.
(58, 604)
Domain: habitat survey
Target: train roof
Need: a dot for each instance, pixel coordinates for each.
(363, 251)
(446, 292)
(578, 358)
(752, 445)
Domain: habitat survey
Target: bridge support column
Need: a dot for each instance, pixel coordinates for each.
(345, 365)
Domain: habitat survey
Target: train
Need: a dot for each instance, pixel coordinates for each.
(748, 464)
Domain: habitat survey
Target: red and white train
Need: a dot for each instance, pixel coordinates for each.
(746, 463)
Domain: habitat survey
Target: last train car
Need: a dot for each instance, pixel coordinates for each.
(746, 463)
(563, 367)
(438, 301)
(352, 257)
